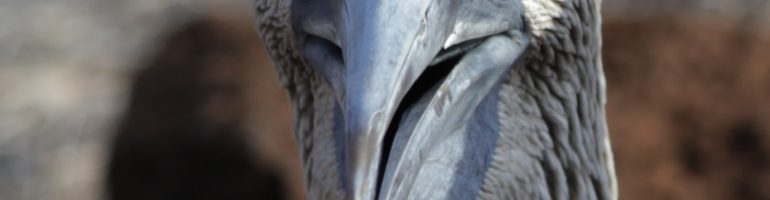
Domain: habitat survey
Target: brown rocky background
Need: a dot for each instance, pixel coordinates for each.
(149, 99)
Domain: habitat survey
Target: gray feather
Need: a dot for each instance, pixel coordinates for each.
(539, 134)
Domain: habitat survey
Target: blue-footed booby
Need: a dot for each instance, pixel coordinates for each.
(444, 99)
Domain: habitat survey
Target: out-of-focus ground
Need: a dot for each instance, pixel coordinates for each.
(149, 99)
(689, 99)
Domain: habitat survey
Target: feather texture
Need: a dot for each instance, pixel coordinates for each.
(551, 140)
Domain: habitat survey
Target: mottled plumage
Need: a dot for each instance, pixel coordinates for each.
(539, 133)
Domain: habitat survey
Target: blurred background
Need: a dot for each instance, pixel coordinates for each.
(176, 99)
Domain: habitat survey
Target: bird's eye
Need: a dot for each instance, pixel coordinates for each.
(321, 29)
(314, 23)
(316, 32)
(316, 18)
(321, 49)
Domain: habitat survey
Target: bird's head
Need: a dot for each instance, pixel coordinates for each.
(384, 58)
(372, 54)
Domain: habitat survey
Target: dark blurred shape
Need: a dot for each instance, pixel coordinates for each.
(182, 135)
(745, 144)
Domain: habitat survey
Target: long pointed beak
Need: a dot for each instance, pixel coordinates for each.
(386, 46)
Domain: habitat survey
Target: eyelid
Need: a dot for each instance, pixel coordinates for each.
(321, 28)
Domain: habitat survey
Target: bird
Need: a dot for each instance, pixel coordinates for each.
(444, 99)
